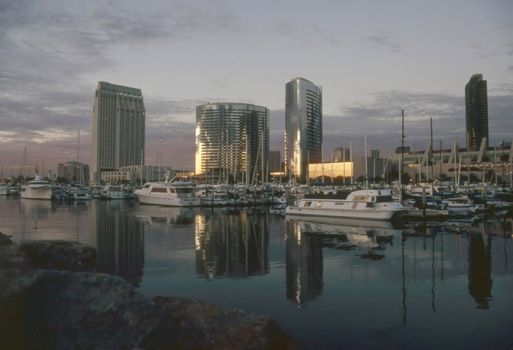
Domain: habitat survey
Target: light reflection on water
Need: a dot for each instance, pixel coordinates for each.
(331, 283)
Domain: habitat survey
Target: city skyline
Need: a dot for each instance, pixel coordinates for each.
(371, 59)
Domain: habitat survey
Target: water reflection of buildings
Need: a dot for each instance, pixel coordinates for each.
(231, 245)
(305, 243)
(480, 269)
(119, 240)
(304, 269)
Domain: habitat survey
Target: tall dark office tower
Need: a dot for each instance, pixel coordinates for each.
(303, 127)
(476, 110)
(118, 128)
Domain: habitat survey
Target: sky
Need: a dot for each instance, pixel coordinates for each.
(372, 59)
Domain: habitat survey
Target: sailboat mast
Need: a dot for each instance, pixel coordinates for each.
(402, 157)
(430, 154)
(366, 161)
(78, 145)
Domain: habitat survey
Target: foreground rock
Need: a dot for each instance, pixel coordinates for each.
(204, 326)
(45, 305)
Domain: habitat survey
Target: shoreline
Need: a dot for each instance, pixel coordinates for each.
(52, 297)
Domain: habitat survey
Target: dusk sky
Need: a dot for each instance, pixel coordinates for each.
(372, 59)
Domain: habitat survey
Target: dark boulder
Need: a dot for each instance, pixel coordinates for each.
(205, 326)
(44, 308)
(62, 310)
(60, 255)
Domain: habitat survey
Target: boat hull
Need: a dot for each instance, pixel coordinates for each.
(39, 193)
(168, 201)
(367, 213)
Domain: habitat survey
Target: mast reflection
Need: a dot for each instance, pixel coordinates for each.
(119, 240)
(231, 245)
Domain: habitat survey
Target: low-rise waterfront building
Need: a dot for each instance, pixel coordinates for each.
(426, 165)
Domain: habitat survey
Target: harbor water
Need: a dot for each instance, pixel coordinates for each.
(329, 283)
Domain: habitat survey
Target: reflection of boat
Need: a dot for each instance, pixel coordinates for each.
(165, 215)
(428, 214)
(357, 233)
(362, 204)
(175, 194)
(37, 209)
(37, 189)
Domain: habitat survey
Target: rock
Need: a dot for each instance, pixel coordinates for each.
(60, 255)
(10, 255)
(63, 310)
(41, 307)
(5, 240)
(204, 326)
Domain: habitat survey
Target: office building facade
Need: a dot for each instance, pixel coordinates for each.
(118, 128)
(275, 161)
(303, 127)
(232, 142)
(476, 112)
(73, 172)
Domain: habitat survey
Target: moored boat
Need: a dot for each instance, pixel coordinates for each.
(176, 194)
(37, 189)
(361, 204)
(5, 189)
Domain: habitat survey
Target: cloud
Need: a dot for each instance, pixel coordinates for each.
(307, 34)
(46, 47)
(384, 40)
(379, 118)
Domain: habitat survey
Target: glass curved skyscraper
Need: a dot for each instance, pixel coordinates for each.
(232, 141)
(303, 127)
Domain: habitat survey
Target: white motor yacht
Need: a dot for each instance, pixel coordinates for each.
(361, 204)
(175, 194)
(37, 189)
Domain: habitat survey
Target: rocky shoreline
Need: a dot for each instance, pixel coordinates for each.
(51, 297)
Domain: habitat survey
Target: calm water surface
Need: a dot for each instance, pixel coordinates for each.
(331, 284)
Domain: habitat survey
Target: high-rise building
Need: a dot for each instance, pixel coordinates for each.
(303, 127)
(118, 128)
(73, 172)
(476, 110)
(232, 141)
(274, 161)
